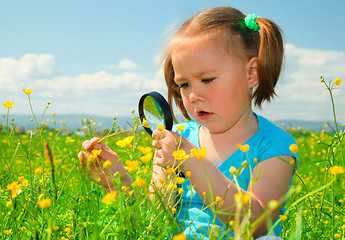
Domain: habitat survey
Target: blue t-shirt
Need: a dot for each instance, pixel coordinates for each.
(269, 141)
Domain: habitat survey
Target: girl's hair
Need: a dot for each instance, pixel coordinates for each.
(239, 40)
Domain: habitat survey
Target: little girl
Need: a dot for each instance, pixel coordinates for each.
(215, 65)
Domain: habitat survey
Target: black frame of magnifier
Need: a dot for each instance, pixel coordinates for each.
(167, 114)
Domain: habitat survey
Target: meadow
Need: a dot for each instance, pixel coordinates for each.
(46, 194)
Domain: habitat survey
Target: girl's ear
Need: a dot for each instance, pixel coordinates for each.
(252, 70)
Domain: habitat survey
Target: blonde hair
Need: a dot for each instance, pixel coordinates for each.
(244, 43)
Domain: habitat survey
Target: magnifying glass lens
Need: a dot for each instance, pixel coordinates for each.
(154, 110)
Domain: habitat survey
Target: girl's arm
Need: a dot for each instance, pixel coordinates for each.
(273, 179)
(97, 172)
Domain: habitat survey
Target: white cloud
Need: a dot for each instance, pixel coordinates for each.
(124, 64)
(93, 93)
(301, 95)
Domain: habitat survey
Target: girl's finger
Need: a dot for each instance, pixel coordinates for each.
(82, 158)
(89, 144)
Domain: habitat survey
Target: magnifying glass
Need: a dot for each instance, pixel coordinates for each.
(155, 110)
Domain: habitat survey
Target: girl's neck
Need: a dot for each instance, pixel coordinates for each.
(220, 146)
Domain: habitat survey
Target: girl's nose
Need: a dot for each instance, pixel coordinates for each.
(196, 95)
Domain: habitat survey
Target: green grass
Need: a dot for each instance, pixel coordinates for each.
(315, 207)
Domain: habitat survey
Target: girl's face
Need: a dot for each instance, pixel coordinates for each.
(215, 87)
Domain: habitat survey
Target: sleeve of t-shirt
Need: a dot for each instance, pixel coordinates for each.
(277, 143)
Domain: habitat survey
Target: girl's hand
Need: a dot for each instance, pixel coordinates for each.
(166, 142)
(98, 171)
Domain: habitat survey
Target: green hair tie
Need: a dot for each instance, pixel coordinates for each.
(249, 20)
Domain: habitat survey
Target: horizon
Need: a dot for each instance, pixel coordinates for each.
(97, 58)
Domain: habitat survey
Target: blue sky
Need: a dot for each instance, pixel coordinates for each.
(99, 57)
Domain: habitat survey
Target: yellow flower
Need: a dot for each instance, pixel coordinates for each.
(125, 142)
(85, 224)
(233, 170)
(188, 173)
(180, 180)
(8, 104)
(180, 237)
(218, 199)
(95, 153)
(144, 150)
(132, 165)
(246, 198)
(109, 197)
(337, 81)
(283, 217)
(170, 171)
(336, 170)
(145, 123)
(9, 203)
(38, 171)
(180, 128)
(56, 228)
(8, 232)
(146, 158)
(160, 127)
(180, 155)
(47, 230)
(293, 148)
(140, 182)
(173, 210)
(199, 153)
(15, 188)
(54, 114)
(243, 148)
(107, 164)
(45, 203)
(23, 228)
(28, 91)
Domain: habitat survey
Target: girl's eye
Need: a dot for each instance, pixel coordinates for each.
(207, 80)
(183, 85)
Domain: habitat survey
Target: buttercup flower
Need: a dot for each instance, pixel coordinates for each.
(38, 171)
(336, 170)
(146, 158)
(160, 127)
(188, 173)
(109, 197)
(45, 203)
(180, 180)
(144, 150)
(145, 123)
(232, 170)
(180, 237)
(8, 104)
(180, 155)
(125, 142)
(15, 188)
(140, 182)
(95, 153)
(245, 198)
(293, 148)
(283, 217)
(132, 165)
(243, 148)
(107, 164)
(28, 91)
(8, 232)
(337, 81)
(199, 153)
(180, 128)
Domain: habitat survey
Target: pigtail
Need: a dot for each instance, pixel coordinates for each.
(270, 59)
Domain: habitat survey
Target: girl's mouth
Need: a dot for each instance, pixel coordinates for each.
(204, 115)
